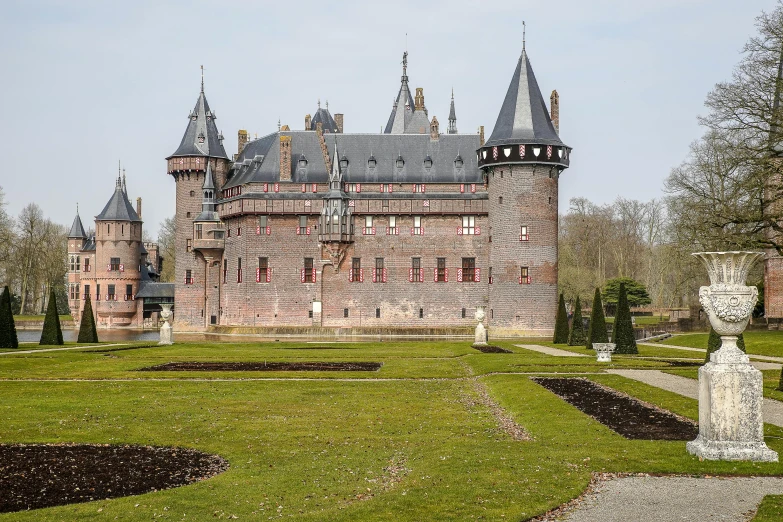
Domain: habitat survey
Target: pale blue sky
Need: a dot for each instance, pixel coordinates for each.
(83, 84)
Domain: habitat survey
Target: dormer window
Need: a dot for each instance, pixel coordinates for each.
(201, 137)
(343, 162)
(428, 162)
(302, 162)
(458, 163)
(371, 162)
(400, 162)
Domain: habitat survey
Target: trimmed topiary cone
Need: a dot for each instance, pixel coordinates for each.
(622, 335)
(714, 342)
(8, 337)
(561, 323)
(52, 333)
(87, 331)
(597, 332)
(577, 336)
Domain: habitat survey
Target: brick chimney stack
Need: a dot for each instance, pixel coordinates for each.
(481, 136)
(308, 119)
(241, 140)
(285, 158)
(419, 99)
(554, 110)
(338, 119)
(434, 131)
(138, 207)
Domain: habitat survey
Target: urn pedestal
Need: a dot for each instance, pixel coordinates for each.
(166, 335)
(603, 351)
(731, 426)
(480, 339)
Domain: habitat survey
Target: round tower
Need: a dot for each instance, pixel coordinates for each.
(76, 239)
(201, 145)
(522, 162)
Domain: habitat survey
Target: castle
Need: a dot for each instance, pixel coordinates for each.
(115, 267)
(409, 228)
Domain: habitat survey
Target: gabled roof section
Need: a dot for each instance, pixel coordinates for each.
(118, 208)
(201, 136)
(77, 230)
(523, 117)
(418, 124)
(402, 112)
(324, 117)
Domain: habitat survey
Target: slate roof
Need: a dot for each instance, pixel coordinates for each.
(89, 246)
(118, 208)
(260, 159)
(419, 123)
(151, 289)
(324, 117)
(523, 117)
(402, 111)
(201, 136)
(77, 230)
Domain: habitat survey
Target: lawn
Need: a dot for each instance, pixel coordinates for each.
(758, 342)
(411, 441)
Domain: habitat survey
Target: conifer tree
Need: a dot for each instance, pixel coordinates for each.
(8, 337)
(561, 323)
(87, 331)
(52, 333)
(597, 332)
(622, 335)
(577, 336)
(714, 343)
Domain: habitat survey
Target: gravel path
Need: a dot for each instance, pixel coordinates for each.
(772, 409)
(550, 351)
(669, 499)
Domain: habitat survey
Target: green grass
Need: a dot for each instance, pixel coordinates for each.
(644, 320)
(762, 342)
(321, 448)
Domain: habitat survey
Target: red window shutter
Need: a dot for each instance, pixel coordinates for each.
(301, 275)
(421, 275)
(268, 231)
(421, 231)
(528, 280)
(390, 187)
(447, 275)
(358, 187)
(314, 275)
(396, 231)
(361, 275)
(350, 275)
(122, 268)
(266, 187)
(258, 275)
(462, 187)
(258, 231)
(297, 231)
(304, 187)
(268, 275)
(315, 187)
(383, 275)
(477, 230)
(459, 231)
(459, 275)
(478, 275)
(108, 267)
(277, 187)
(435, 274)
(473, 187)
(373, 231)
(410, 275)
(411, 230)
(423, 187)
(308, 231)
(375, 276)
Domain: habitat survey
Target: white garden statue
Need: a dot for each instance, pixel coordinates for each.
(166, 335)
(730, 389)
(603, 351)
(481, 333)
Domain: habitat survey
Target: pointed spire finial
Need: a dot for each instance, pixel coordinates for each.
(77, 208)
(523, 36)
(278, 124)
(405, 62)
(319, 103)
(327, 105)
(202, 78)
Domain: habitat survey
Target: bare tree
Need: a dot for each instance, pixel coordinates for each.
(167, 244)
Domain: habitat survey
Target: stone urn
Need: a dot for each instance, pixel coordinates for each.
(603, 351)
(481, 333)
(730, 389)
(166, 335)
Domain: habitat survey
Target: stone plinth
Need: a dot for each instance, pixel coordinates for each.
(166, 335)
(480, 338)
(603, 351)
(730, 418)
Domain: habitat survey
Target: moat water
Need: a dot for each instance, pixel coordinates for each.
(103, 335)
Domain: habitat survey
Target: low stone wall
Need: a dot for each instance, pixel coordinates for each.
(294, 331)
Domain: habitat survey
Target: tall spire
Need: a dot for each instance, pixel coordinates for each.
(402, 112)
(124, 186)
(77, 229)
(201, 137)
(208, 200)
(452, 116)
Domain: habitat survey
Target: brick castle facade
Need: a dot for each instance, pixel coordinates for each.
(409, 228)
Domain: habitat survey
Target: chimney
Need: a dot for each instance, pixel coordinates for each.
(138, 207)
(241, 140)
(481, 136)
(338, 119)
(419, 99)
(308, 118)
(434, 132)
(285, 158)
(554, 110)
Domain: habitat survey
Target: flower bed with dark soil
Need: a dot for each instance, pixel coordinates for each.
(625, 415)
(265, 367)
(491, 349)
(35, 476)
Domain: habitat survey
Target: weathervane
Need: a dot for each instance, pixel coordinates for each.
(523, 36)
(202, 78)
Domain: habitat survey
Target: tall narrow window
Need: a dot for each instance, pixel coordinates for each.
(468, 225)
(225, 270)
(379, 276)
(189, 244)
(73, 264)
(239, 270)
(188, 277)
(523, 235)
(98, 292)
(199, 231)
(524, 275)
(417, 230)
(86, 291)
(308, 272)
(441, 276)
(86, 264)
(263, 226)
(111, 296)
(369, 229)
(356, 270)
(468, 269)
(115, 263)
(129, 292)
(78, 263)
(393, 230)
(302, 225)
(416, 270)
(262, 274)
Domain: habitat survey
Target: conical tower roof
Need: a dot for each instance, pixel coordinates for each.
(118, 208)
(324, 117)
(523, 117)
(402, 112)
(202, 137)
(77, 230)
(208, 202)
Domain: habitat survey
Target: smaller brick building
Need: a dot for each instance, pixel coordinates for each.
(114, 265)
